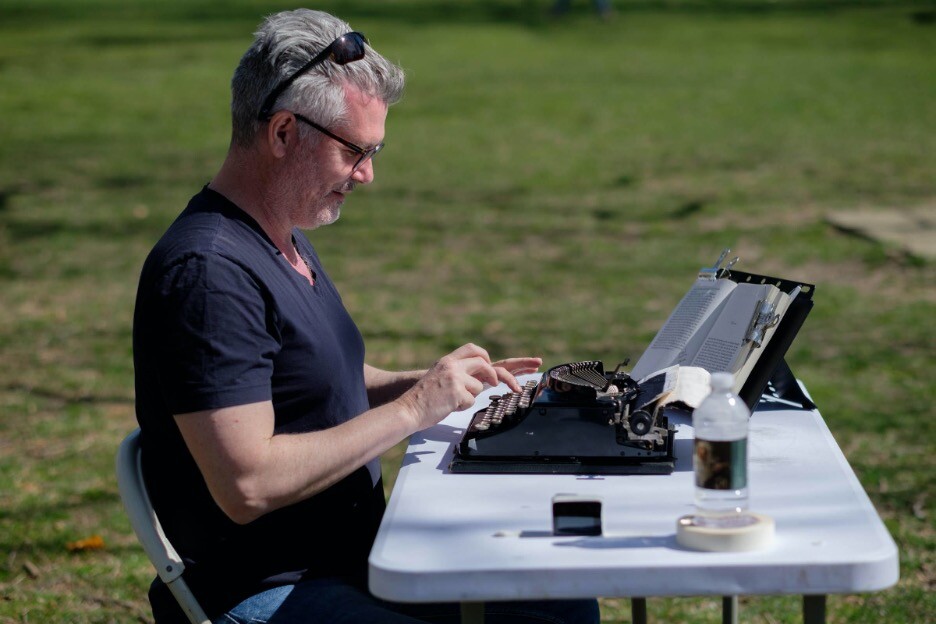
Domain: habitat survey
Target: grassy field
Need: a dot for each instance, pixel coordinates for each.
(549, 187)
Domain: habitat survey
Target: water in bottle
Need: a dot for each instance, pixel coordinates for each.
(720, 458)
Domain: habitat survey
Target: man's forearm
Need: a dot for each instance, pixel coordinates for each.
(385, 386)
(250, 471)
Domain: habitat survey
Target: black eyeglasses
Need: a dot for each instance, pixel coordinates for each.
(366, 153)
(345, 49)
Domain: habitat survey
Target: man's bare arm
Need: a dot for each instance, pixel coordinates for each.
(384, 386)
(250, 471)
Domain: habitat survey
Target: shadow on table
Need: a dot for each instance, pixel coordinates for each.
(438, 433)
(602, 542)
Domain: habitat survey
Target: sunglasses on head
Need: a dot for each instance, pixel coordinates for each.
(345, 49)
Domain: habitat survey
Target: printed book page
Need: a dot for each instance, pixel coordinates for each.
(725, 346)
(686, 327)
(709, 330)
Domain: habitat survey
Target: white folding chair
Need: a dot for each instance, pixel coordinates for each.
(149, 531)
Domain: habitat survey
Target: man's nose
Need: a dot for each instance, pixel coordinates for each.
(365, 173)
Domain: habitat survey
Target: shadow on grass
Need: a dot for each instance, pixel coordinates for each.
(42, 229)
(51, 548)
(64, 398)
(46, 538)
(410, 12)
(35, 512)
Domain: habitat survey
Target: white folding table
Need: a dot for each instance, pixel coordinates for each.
(473, 538)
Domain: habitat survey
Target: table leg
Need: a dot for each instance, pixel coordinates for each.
(729, 610)
(639, 610)
(472, 613)
(814, 608)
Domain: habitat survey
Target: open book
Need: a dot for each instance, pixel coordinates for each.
(719, 325)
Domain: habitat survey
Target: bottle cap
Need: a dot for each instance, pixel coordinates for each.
(722, 381)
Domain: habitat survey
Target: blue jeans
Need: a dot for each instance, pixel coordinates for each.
(331, 601)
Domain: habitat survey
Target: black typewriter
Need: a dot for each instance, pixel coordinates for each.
(578, 419)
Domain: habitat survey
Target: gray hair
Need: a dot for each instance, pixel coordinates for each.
(285, 42)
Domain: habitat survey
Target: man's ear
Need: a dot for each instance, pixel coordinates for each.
(281, 133)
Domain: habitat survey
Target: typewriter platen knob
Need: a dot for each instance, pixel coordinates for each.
(640, 422)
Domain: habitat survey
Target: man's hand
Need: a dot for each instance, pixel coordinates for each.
(455, 380)
(509, 368)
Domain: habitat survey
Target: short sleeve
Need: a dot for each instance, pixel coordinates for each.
(215, 335)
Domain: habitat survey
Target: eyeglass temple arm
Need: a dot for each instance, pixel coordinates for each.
(275, 93)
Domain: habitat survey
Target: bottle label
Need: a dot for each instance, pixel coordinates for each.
(720, 465)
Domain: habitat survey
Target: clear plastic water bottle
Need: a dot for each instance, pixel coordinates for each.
(720, 458)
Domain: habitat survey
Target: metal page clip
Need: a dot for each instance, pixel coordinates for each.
(716, 270)
(764, 318)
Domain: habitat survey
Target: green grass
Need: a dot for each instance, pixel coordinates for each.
(549, 187)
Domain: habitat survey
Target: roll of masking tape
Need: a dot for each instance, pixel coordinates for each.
(749, 531)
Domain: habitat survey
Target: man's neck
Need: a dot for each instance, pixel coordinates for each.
(251, 188)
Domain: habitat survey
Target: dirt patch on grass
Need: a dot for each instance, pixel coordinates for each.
(912, 230)
(887, 282)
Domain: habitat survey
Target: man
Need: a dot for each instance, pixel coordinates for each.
(262, 425)
(603, 7)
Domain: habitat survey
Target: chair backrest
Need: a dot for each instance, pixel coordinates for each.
(149, 531)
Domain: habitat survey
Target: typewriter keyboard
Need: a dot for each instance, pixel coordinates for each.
(502, 407)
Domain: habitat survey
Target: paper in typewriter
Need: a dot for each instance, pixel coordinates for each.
(710, 329)
(686, 385)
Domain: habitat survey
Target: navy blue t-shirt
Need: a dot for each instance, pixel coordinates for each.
(222, 319)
